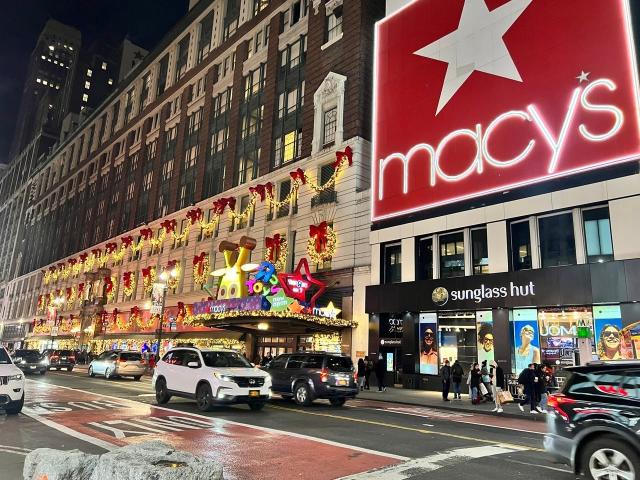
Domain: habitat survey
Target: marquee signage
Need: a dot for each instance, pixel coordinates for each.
(474, 97)
(440, 295)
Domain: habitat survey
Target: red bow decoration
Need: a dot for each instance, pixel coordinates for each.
(61, 266)
(126, 279)
(231, 202)
(127, 241)
(258, 190)
(52, 269)
(146, 272)
(169, 225)
(114, 315)
(198, 261)
(108, 285)
(274, 244)
(298, 176)
(80, 288)
(72, 261)
(96, 252)
(135, 311)
(111, 247)
(218, 207)
(83, 257)
(319, 232)
(172, 264)
(340, 156)
(69, 293)
(194, 215)
(146, 233)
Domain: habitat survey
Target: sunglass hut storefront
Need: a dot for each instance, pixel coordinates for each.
(536, 316)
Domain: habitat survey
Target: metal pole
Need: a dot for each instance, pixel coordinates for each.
(164, 298)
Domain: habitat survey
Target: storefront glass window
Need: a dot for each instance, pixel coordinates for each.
(452, 255)
(597, 235)
(520, 245)
(557, 242)
(559, 333)
(424, 258)
(479, 251)
(392, 263)
(457, 338)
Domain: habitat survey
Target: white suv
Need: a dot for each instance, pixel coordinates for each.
(11, 384)
(210, 377)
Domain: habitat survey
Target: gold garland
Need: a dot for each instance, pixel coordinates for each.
(329, 251)
(281, 262)
(173, 282)
(202, 318)
(123, 324)
(330, 183)
(184, 235)
(148, 281)
(118, 255)
(114, 289)
(201, 278)
(156, 242)
(128, 291)
(146, 324)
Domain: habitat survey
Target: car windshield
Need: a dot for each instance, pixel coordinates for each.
(339, 364)
(4, 357)
(130, 357)
(225, 359)
(26, 353)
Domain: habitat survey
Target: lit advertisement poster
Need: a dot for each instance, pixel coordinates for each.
(428, 330)
(610, 343)
(484, 329)
(526, 341)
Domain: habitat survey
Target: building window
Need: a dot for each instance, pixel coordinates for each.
(329, 194)
(479, 251)
(146, 91)
(89, 72)
(557, 241)
(330, 122)
(520, 246)
(104, 65)
(87, 84)
(206, 30)
(334, 25)
(128, 109)
(597, 235)
(231, 17)
(245, 221)
(162, 75)
(259, 5)
(285, 189)
(452, 255)
(183, 57)
(392, 263)
(424, 258)
(85, 97)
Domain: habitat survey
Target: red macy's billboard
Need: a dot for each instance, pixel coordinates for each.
(481, 96)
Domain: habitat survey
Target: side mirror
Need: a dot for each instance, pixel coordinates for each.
(193, 364)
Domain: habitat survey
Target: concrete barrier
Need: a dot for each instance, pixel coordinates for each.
(156, 460)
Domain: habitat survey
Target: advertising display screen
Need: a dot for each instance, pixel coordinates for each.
(427, 333)
(610, 343)
(484, 327)
(559, 333)
(480, 97)
(526, 341)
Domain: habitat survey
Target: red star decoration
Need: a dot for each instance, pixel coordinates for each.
(295, 284)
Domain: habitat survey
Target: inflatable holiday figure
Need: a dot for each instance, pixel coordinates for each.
(233, 282)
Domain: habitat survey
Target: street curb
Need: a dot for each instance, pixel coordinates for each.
(540, 418)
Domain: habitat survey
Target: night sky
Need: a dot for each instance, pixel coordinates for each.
(143, 21)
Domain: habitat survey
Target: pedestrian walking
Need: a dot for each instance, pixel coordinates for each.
(445, 373)
(457, 373)
(380, 370)
(361, 373)
(474, 380)
(529, 380)
(497, 385)
(368, 368)
(486, 379)
(547, 387)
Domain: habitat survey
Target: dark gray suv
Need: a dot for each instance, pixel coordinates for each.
(311, 375)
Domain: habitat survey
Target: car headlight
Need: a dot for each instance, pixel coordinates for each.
(17, 377)
(44, 361)
(17, 359)
(223, 378)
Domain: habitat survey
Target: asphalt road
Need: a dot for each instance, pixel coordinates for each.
(363, 440)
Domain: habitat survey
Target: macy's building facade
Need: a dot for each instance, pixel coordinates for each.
(505, 186)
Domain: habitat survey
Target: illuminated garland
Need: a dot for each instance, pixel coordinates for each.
(322, 243)
(148, 279)
(201, 269)
(203, 318)
(71, 296)
(110, 287)
(173, 281)
(128, 283)
(123, 324)
(280, 244)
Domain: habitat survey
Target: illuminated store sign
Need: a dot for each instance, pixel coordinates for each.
(440, 295)
(471, 101)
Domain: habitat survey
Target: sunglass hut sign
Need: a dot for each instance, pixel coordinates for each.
(474, 97)
(441, 296)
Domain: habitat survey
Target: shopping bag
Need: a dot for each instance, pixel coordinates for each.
(483, 389)
(505, 396)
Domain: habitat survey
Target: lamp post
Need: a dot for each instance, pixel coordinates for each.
(158, 301)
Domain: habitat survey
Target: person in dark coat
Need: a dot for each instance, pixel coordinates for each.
(475, 378)
(457, 373)
(380, 370)
(529, 380)
(368, 368)
(361, 373)
(497, 384)
(445, 373)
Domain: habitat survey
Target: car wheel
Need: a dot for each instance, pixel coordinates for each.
(256, 406)
(162, 393)
(137, 378)
(337, 402)
(610, 458)
(69, 369)
(15, 407)
(108, 374)
(204, 397)
(302, 394)
(91, 374)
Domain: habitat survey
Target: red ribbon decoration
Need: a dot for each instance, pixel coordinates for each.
(340, 156)
(169, 225)
(108, 285)
(319, 232)
(172, 264)
(146, 233)
(68, 293)
(258, 190)
(127, 241)
(72, 261)
(231, 202)
(194, 215)
(83, 257)
(97, 252)
(146, 272)
(80, 288)
(126, 279)
(111, 247)
(52, 269)
(298, 176)
(135, 311)
(274, 244)
(61, 266)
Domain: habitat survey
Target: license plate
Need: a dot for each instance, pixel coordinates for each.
(254, 393)
(32, 367)
(342, 383)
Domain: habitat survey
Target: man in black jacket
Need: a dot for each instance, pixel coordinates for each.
(456, 377)
(445, 373)
(528, 379)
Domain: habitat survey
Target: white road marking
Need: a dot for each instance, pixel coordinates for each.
(221, 420)
(431, 463)
(555, 469)
(11, 447)
(146, 394)
(15, 452)
(427, 425)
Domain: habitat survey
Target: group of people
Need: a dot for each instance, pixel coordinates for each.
(487, 384)
(365, 367)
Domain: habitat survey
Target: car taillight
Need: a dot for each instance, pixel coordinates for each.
(72, 358)
(54, 358)
(556, 401)
(324, 375)
(355, 376)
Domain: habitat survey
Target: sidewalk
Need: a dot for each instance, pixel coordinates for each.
(425, 398)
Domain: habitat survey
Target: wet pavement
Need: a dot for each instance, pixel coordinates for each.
(367, 439)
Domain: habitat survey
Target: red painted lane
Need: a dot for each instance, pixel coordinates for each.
(246, 452)
(522, 425)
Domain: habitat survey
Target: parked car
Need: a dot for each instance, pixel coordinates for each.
(210, 377)
(310, 375)
(11, 384)
(118, 363)
(30, 361)
(594, 423)
(59, 359)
